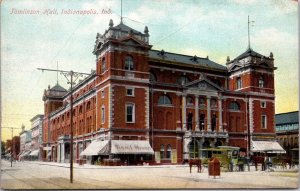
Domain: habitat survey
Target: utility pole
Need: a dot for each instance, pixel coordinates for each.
(71, 77)
(12, 136)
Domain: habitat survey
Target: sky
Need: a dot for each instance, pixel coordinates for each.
(214, 28)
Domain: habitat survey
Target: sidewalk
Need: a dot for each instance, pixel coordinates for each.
(204, 169)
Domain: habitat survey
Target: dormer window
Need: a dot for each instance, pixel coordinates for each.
(261, 83)
(238, 83)
(129, 63)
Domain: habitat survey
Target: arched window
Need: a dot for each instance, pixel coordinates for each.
(152, 78)
(80, 109)
(261, 82)
(183, 80)
(103, 65)
(129, 63)
(162, 152)
(239, 83)
(213, 103)
(234, 106)
(169, 151)
(88, 106)
(164, 100)
(190, 100)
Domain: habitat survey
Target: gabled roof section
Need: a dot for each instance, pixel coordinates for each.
(248, 52)
(203, 84)
(185, 59)
(134, 40)
(125, 28)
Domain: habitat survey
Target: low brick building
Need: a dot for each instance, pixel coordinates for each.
(287, 130)
(159, 106)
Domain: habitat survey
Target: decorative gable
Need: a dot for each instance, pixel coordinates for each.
(204, 85)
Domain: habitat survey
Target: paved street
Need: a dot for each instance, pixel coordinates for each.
(48, 175)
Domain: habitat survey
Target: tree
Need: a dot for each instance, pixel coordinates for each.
(2, 148)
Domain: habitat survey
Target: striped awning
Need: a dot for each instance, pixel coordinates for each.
(96, 147)
(34, 153)
(131, 147)
(267, 146)
(25, 153)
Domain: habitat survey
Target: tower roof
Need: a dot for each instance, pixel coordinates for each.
(58, 88)
(248, 52)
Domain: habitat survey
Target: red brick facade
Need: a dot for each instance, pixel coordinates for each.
(170, 100)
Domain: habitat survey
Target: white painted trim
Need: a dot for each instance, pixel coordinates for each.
(147, 110)
(123, 78)
(251, 119)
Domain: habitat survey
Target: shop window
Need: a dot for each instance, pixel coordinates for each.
(162, 152)
(169, 151)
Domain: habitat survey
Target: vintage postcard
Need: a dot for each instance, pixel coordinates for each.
(149, 94)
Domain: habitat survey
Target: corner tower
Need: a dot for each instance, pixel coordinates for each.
(122, 82)
(252, 75)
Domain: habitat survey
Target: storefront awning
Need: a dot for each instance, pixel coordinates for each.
(34, 153)
(96, 147)
(131, 147)
(267, 146)
(26, 153)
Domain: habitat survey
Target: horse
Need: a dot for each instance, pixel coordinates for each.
(258, 160)
(196, 162)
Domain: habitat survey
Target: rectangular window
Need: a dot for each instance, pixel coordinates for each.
(129, 91)
(130, 113)
(264, 122)
(263, 104)
(102, 114)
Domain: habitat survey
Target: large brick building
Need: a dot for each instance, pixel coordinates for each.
(146, 104)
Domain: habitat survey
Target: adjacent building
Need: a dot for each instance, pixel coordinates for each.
(36, 136)
(287, 130)
(151, 105)
(25, 144)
